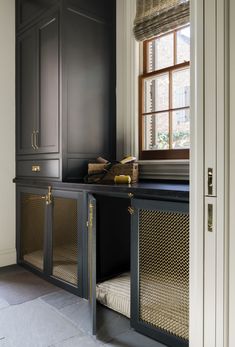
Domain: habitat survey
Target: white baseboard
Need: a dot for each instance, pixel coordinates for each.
(7, 257)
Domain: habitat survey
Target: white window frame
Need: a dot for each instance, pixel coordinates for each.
(129, 67)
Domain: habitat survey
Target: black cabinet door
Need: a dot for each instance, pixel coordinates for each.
(28, 10)
(92, 262)
(31, 227)
(160, 270)
(66, 241)
(87, 90)
(48, 91)
(38, 89)
(26, 91)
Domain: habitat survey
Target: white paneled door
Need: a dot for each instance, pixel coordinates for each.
(215, 121)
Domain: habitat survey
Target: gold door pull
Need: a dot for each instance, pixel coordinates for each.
(32, 141)
(36, 168)
(36, 132)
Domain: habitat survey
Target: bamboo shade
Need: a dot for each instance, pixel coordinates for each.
(154, 17)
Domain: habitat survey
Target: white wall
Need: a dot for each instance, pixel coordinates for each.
(7, 132)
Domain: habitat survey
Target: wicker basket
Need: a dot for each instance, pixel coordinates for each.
(116, 170)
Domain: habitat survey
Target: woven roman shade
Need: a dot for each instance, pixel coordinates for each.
(154, 17)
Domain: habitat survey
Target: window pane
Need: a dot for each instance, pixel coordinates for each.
(181, 129)
(156, 93)
(161, 53)
(156, 131)
(183, 45)
(181, 88)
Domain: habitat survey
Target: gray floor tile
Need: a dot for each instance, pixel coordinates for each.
(5, 342)
(110, 324)
(133, 339)
(79, 314)
(60, 299)
(23, 286)
(34, 324)
(3, 304)
(77, 341)
(11, 269)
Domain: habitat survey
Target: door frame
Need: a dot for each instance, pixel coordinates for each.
(196, 314)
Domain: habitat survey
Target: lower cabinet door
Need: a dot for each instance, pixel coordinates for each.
(66, 242)
(31, 223)
(160, 271)
(92, 262)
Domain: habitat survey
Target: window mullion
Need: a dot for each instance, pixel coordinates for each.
(170, 108)
(175, 47)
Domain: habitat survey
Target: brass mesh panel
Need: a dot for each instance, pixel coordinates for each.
(65, 243)
(32, 229)
(164, 271)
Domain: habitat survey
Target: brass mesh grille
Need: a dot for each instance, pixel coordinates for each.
(32, 229)
(164, 271)
(65, 243)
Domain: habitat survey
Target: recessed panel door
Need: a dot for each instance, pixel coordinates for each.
(92, 262)
(67, 238)
(32, 228)
(26, 92)
(48, 90)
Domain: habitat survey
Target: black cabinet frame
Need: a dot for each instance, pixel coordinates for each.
(81, 288)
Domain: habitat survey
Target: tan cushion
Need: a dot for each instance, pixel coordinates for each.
(115, 294)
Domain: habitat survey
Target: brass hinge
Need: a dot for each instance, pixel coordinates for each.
(90, 223)
(131, 210)
(210, 218)
(48, 196)
(210, 181)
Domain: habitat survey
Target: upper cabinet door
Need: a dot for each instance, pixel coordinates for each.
(26, 92)
(28, 10)
(38, 89)
(48, 93)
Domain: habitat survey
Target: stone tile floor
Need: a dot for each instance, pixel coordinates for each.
(34, 313)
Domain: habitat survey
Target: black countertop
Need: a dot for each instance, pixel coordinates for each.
(176, 191)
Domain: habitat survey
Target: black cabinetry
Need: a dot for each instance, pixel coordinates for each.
(133, 241)
(50, 236)
(160, 270)
(28, 10)
(156, 281)
(38, 88)
(65, 87)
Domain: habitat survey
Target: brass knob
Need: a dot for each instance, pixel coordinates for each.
(130, 195)
(36, 168)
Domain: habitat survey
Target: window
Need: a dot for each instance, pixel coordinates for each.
(165, 97)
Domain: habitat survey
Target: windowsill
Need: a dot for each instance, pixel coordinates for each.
(164, 169)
